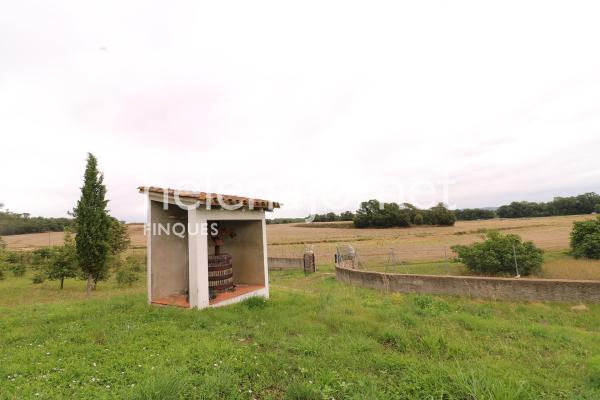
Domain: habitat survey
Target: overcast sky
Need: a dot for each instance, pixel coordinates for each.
(317, 105)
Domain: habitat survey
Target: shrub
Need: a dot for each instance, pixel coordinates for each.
(38, 278)
(585, 239)
(11, 257)
(496, 255)
(125, 276)
(134, 263)
(40, 257)
(1, 273)
(17, 269)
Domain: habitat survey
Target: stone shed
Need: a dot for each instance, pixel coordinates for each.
(205, 249)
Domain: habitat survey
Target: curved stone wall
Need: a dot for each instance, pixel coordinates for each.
(473, 286)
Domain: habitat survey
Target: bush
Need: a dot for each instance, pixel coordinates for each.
(40, 257)
(17, 269)
(11, 257)
(13, 263)
(135, 263)
(1, 273)
(585, 239)
(125, 276)
(38, 278)
(495, 255)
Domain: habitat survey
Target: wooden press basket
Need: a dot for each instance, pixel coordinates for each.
(220, 273)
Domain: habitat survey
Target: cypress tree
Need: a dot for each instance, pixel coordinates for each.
(92, 223)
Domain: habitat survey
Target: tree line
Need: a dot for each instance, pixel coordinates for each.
(472, 214)
(12, 223)
(373, 214)
(586, 203)
(332, 217)
(284, 221)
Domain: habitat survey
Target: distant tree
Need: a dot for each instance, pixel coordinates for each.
(418, 219)
(585, 239)
(440, 215)
(374, 214)
(346, 216)
(92, 225)
(410, 210)
(365, 214)
(496, 255)
(63, 262)
(598, 208)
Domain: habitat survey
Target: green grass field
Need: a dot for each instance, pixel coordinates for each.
(314, 339)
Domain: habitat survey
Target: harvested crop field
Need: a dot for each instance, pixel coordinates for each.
(409, 244)
(415, 243)
(419, 250)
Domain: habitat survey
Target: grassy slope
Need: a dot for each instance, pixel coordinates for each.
(315, 338)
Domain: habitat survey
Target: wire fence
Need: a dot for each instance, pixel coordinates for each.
(422, 261)
(296, 251)
(438, 260)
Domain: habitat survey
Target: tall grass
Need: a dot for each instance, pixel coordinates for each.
(313, 339)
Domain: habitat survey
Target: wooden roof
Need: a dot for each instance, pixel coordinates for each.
(215, 199)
